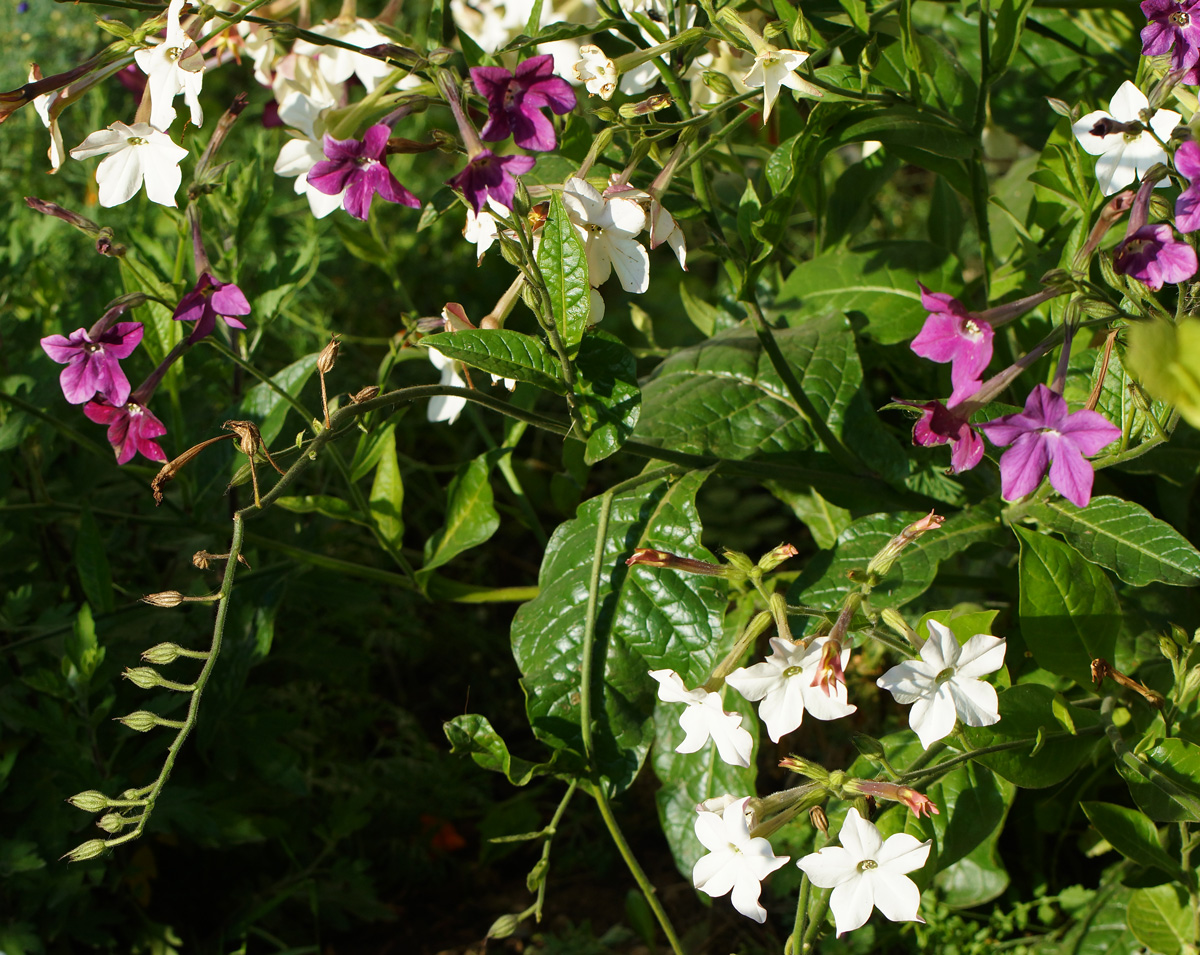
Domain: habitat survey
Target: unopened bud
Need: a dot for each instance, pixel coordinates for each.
(820, 821)
(739, 562)
(1191, 683)
(87, 850)
(777, 556)
(162, 654)
(364, 394)
(773, 29)
(440, 56)
(869, 58)
(90, 801)
(719, 83)
(328, 356)
(141, 721)
(661, 558)
(649, 105)
(167, 599)
(869, 746)
(606, 114)
(522, 203)
(1169, 648)
(503, 927)
(145, 677)
(112, 822)
(894, 620)
(805, 767)
(882, 562)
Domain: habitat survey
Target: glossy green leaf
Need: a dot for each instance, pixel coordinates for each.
(878, 280)
(1103, 929)
(473, 734)
(825, 521)
(562, 261)
(610, 401)
(387, 495)
(648, 619)
(1068, 609)
(1125, 538)
(857, 9)
(1131, 834)
(91, 563)
(1179, 761)
(973, 804)
(266, 407)
(471, 516)
(502, 352)
(977, 878)
(1161, 919)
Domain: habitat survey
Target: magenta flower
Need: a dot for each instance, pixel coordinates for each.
(132, 428)
(359, 167)
(942, 425)
(488, 175)
(515, 101)
(92, 366)
(952, 334)
(1171, 28)
(1153, 255)
(1187, 206)
(208, 300)
(1046, 435)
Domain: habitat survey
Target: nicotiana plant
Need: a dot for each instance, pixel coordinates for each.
(1007, 593)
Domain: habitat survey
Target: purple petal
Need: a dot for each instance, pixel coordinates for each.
(1070, 474)
(330, 177)
(191, 307)
(967, 451)
(1089, 431)
(1187, 160)
(359, 194)
(375, 142)
(497, 126)
(341, 150)
(535, 68)
(388, 187)
(79, 381)
(1157, 38)
(1023, 466)
(229, 300)
(492, 82)
(517, 165)
(940, 302)
(1187, 207)
(554, 92)
(532, 130)
(122, 339)
(62, 349)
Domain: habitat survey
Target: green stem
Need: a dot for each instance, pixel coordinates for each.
(939, 769)
(795, 943)
(549, 832)
(589, 627)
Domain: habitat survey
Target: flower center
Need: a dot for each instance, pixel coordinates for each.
(366, 162)
(510, 96)
(971, 329)
(867, 864)
(172, 53)
(136, 141)
(1180, 18)
(792, 671)
(944, 676)
(92, 347)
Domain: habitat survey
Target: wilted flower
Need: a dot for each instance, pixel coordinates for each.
(92, 366)
(596, 72)
(609, 229)
(489, 176)
(940, 425)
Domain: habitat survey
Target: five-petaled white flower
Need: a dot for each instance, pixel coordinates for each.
(866, 872)
(1125, 150)
(596, 72)
(174, 66)
(944, 684)
(136, 154)
(736, 861)
(705, 717)
(609, 229)
(784, 683)
(775, 68)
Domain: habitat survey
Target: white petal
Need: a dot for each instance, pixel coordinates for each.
(829, 867)
(933, 717)
(297, 157)
(1127, 102)
(119, 177)
(713, 874)
(710, 830)
(941, 649)
(100, 142)
(623, 215)
(162, 179)
(746, 892)
(783, 709)
(1113, 172)
(631, 262)
(695, 726)
(896, 896)
(975, 701)
(1164, 122)
(852, 903)
(860, 837)
(908, 681)
(1095, 145)
(755, 682)
(670, 683)
(981, 654)
(902, 853)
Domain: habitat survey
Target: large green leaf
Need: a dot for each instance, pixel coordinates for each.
(1125, 538)
(1161, 919)
(878, 280)
(502, 352)
(1103, 929)
(1069, 610)
(473, 734)
(471, 516)
(91, 563)
(1131, 834)
(647, 619)
(610, 401)
(976, 878)
(973, 804)
(387, 494)
(563, 264)
(1179, 761)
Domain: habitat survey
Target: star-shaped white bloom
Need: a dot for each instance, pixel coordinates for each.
(596, 71)
(136, 154)
(705, 717)
(1124, 155)
(775, 68)
(866, 872)
(944, 685)
(784, 683)
(174, 66)
(445, 407)
(609, 229)
(736, 862)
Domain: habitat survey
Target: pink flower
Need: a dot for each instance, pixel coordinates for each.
(1045, 436)
(206, 301)
(488, 175)
(92, 365)
(1172, 28)
(515, 101)
(1153, 256)
(1187, 206)
(942, 425)
(132, 429)
(952, 334)
(360, 168)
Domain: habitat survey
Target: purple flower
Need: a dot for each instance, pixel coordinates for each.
(490, 175)
(1171, 26)
(1153, 255)
(206, 301)
(92, 366)
(1187, 206)
(952, 334)
(132, 428)
(1045, 435)
(515, 101)
(942, 425)
(360, 169)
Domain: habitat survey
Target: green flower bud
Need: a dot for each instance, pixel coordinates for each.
(162, 653)
(503, 927)
(87, 850)
(141, 720)
(719, 83)
(869, 746)
(777, 556)
(112, 822)
(145, 677)
(90, 801)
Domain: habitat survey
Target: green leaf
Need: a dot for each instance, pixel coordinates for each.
(977, 878)
(1025, 711)
(648, 619)
(858, 14)
(368, 451)
(901, 125)
(1179, 761)
(1102, 929)
(1125, 538)
(1006, 35)
(824, 521)
(1165, 358)
(1068, 609)
(325, 504)
(267, 407)
(563, 263)
(473, 735)
(502, 352)
(83, 648)
(610, 401)
(91, 563)
(1131, 834)
(974, 804)
(879, 280)
(387, 494)
(1161, 919)
(471, 517)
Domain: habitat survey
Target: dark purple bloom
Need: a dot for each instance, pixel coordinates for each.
(1153, 255)
(1046, 435)
(360, 168)
(1187, 206)
(208, 300)
(490, 175)
(92, 366)
(515, 101)
(1173, 27)
(942, 425)
(132, 428)
(952, 334)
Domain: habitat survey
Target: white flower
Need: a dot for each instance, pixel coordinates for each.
(784, 682)
(445, 407)
(302, 92)
(596, 72)
(1124, 156)
(944, 684)
(43, 106)
(705, 717)
(339, 64)
(174, 66)
(735, 862)
(609, 228)
(481, 229)
(775, 68)
(664, 228)
(868, 873)
(136, 154)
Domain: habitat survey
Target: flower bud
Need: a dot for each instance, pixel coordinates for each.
(1191, 683)
(876, 789)
(141, 721)
(145, 677)
(869, 58)
(820, 822)
(773, 29)
(882, 562)
(521, 201)
(328, 356)
(739, 562)
(661, 558)
(90, 801)
(113, 822)
(162, 654)
(440, 56)
(364, 394)
(605, 114)
(895, 621)
(87, 850)
(503, 927)
(1169, 648)
(719, 83)
(166, 599)
(805, 767)
(651, 104)
(869, 746)
(774, 558)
